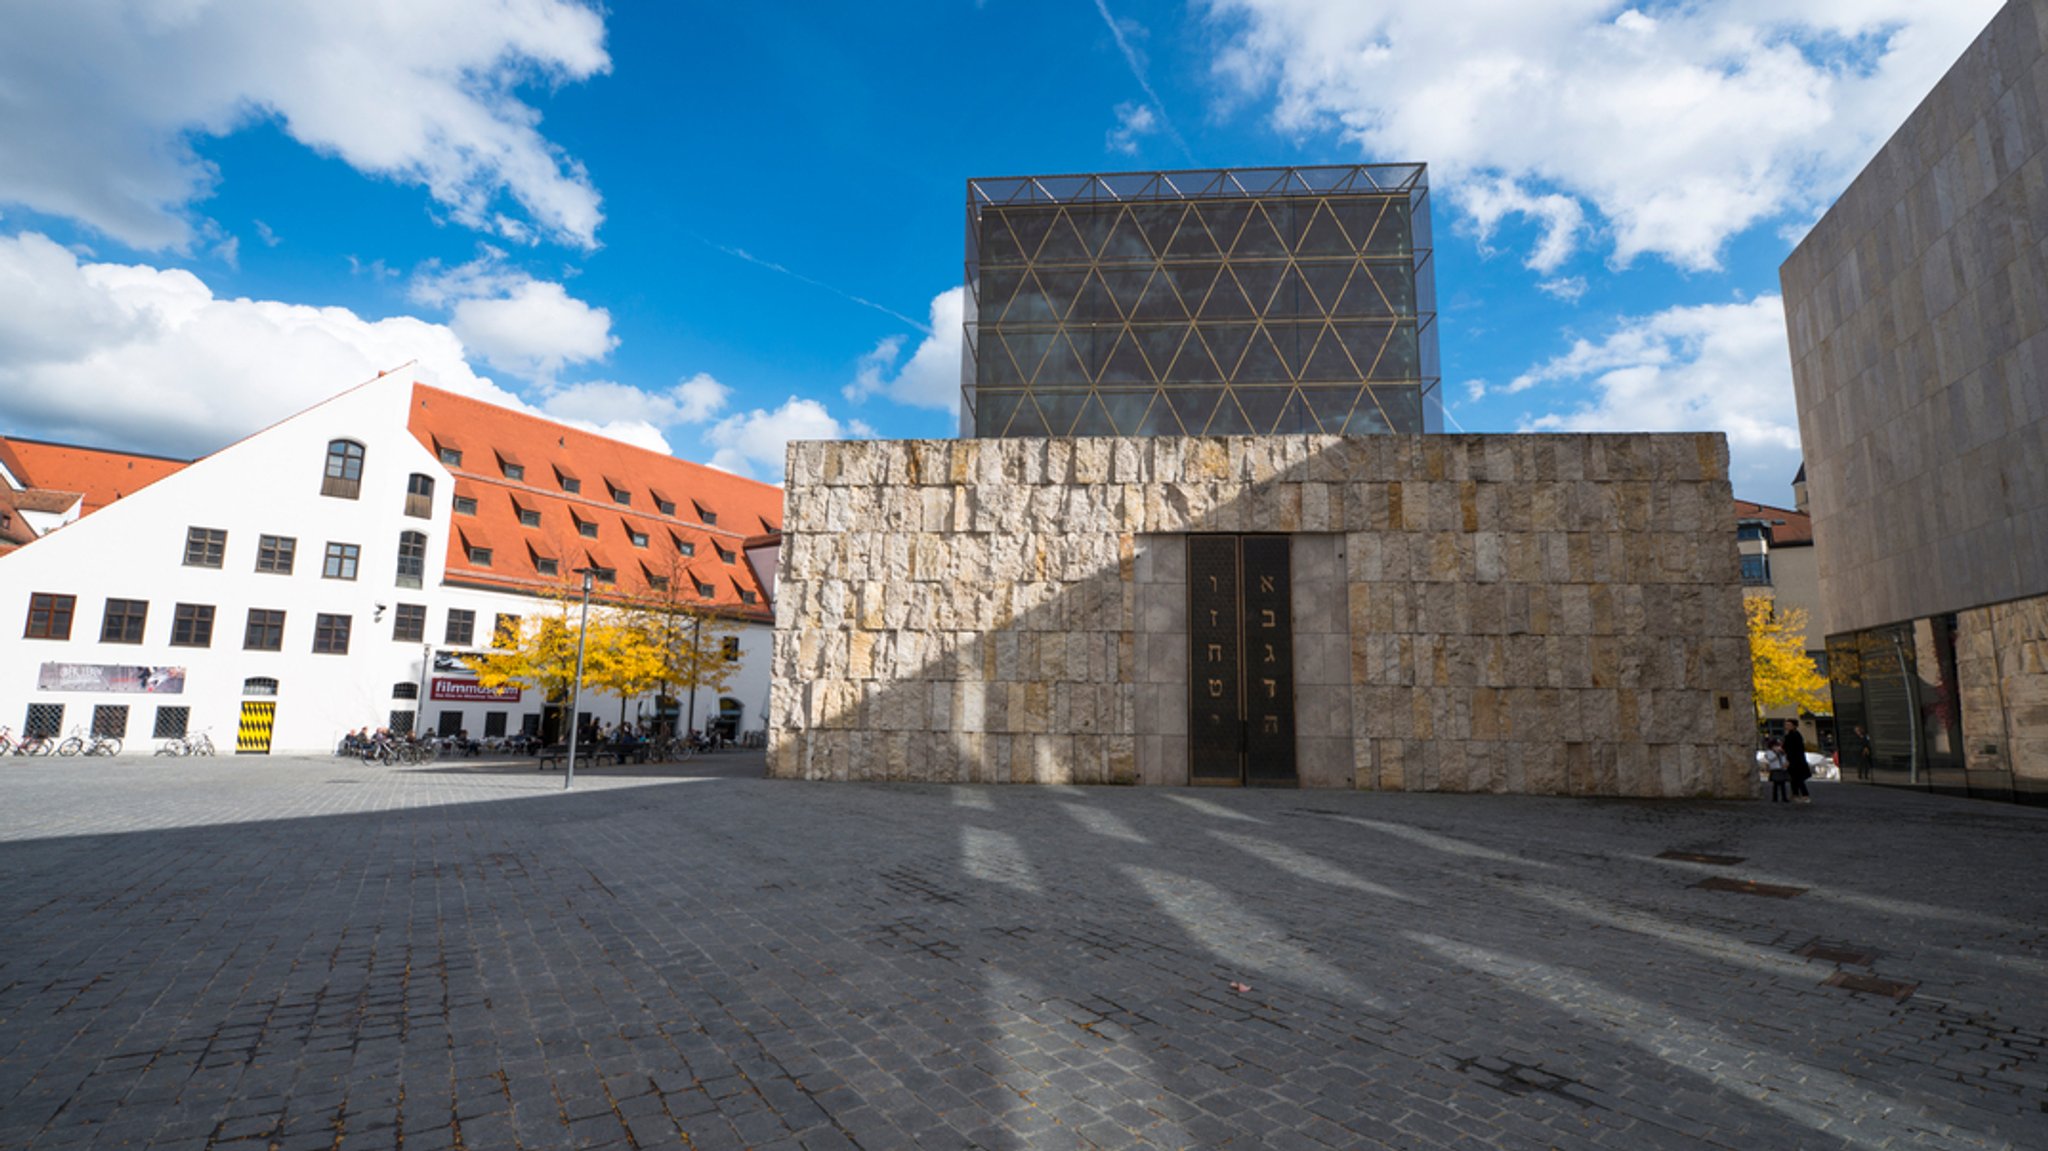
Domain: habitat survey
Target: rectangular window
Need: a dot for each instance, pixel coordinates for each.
(124, 621)
(570, 484)
(586, 528)
(505, 631)
(205, 547)
(621, 496)
(528, 517)
(705, 589)
(171, 722)
(604, 575)
(192, 625)
(341, 561)
(465, 505)
(276, 554)
(410, 624)
(480, 557)
(546, 567)
(683, 546)
(330, 634)
(49, 616)
(732, 649)
(419, 496)
(46, 719)
(639, 538)
(514, 472)
(665, 507)
(401, 723)
(1756, 569)
(709, 517)
(461, 626)
(451, 456)
(412, 558)
(657, 582)
(494, 724)
(110, 721)
(748, 597)
(727, 557)
(265, 631)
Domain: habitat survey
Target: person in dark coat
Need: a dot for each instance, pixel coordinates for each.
(1795, 762)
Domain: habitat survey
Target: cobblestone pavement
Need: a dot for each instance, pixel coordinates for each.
(242, 954)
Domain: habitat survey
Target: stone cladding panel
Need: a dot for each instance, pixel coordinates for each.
(1537, 614)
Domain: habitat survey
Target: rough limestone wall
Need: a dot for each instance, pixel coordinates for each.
(2002, 669)
(1550, 614)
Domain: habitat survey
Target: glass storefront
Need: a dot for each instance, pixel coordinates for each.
(1902, 684)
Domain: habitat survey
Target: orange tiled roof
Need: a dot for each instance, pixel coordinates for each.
(101, 476)
(638, 539)
(1788, 528)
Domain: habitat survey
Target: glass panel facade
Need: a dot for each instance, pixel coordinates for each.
(1901, 686)
(1201, 303)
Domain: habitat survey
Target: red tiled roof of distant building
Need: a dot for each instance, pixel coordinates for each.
(100, 475)
(645, 516)
(1788, 528)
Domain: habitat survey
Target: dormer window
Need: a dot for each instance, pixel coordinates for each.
(465, 505)
(529, 518)
(683, 546)
(569, 483)
(749, 597)
(725, 556)
(619, 494)
(512, 471)
(705, 589)
(584, 528)
(665, 507)
(448, 454)
(709, 517)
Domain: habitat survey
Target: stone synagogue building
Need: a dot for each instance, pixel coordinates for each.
(1202, 528)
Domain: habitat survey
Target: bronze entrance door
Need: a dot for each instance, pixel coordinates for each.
(1241, 661)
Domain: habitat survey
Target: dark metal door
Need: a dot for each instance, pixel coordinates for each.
(1241, 661)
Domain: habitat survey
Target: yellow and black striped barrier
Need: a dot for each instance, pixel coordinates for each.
(253, 737)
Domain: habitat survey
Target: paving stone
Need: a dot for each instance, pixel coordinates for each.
(202, 954)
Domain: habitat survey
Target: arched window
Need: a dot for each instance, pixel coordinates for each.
(259, 685)
(412, 558)
(344, 477)
(419, 496)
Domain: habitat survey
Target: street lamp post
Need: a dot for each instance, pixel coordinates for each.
(576, 688)
(696, 667)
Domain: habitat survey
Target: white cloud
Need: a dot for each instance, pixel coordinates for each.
(931, 377)
(103, 99)
(1678, 130)
(691, 401)
(132, 356)
(1132, 121)
(754, 443)
(1709, 367)
(1570, 289)
(531, 328)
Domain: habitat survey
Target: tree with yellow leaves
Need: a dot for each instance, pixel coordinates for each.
(688, 640)
(1782, 673)
(541, 652)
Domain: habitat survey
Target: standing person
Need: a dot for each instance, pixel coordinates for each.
(1864, 754)
(1795, 762)
(1774, 770)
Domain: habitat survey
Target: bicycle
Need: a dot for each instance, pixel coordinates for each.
(6, 740)
(94, 744)
(35, 745)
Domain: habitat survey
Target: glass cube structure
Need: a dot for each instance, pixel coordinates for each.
(1214, 302)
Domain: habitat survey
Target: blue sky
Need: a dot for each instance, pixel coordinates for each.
(714, 227)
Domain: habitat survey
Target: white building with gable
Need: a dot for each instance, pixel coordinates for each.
(322, 575)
